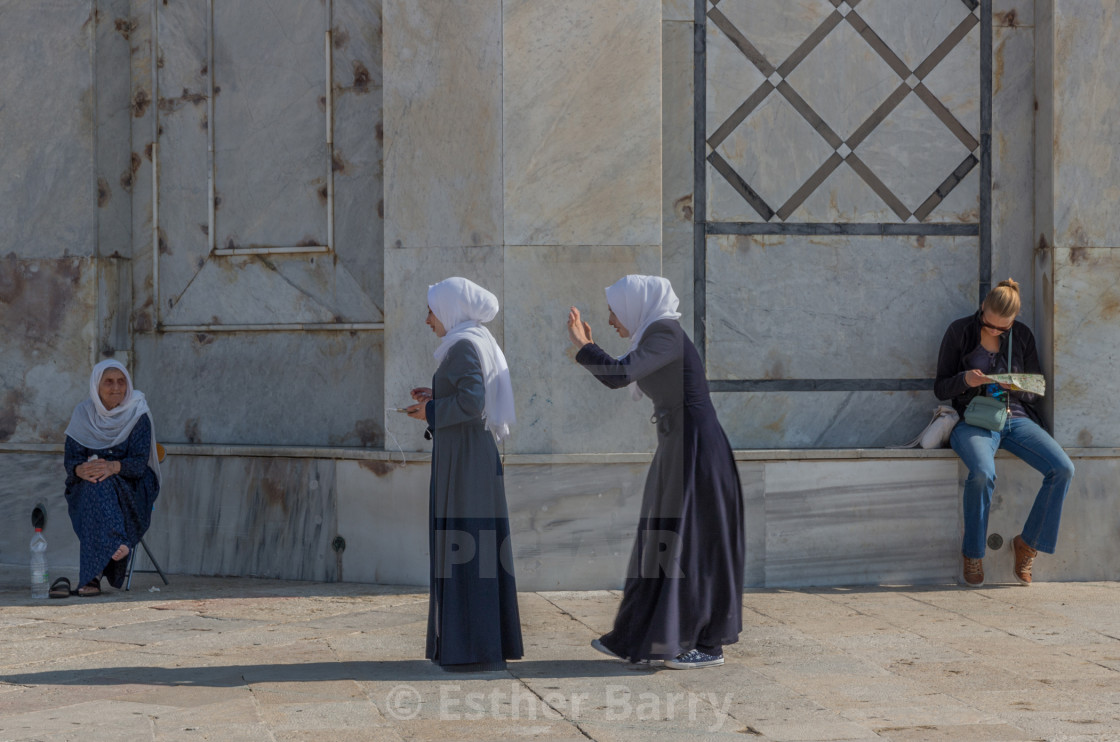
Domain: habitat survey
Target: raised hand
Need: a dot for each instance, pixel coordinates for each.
(579, 332)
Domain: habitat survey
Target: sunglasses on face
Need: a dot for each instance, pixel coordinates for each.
(994, 328)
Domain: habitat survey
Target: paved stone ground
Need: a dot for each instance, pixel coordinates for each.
(240, 659)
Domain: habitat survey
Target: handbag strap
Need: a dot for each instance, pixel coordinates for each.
(1010, 338)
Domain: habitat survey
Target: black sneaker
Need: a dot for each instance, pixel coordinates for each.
(694, 659)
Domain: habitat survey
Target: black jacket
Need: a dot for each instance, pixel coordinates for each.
(960, 339)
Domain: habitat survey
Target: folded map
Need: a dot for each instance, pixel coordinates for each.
(1032, 383)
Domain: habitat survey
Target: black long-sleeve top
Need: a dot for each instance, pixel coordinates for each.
(962, 337)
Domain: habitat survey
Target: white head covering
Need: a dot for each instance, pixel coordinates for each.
(462, 306)
(639, 301)
(96, 427)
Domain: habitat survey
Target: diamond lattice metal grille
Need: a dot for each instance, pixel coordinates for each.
(840, 99)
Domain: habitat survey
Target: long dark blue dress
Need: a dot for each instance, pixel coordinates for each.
(473, 620)
(115, 511)
(685, 582)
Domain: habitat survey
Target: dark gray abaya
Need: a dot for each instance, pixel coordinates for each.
(684, 588)
(472, 615)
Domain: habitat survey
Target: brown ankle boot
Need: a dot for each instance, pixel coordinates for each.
(973, 572)
(1024, 560)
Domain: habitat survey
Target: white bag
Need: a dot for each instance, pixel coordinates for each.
(936, 434)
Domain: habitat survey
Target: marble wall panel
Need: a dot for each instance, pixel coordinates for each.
(27, 480)
(1086, 344)
(752, 477)
(561, 408)
(259, 517)
(142, 133)
(1087, 544)
(409, 343)
(678, 163)
(582, 122)
(860, 522)
(823, 419)
(116, 171)
(805, 308)
(270, 152)
(47, 130)
(183, 210)
(49, 329)
(383, 515)
(443, 123)
(1013, 162)
(115, 167)
(1086, 138)
(1013, 13)
(272, 289)
(678, 10)
(245, 388)
(359, 226)
(573, 527)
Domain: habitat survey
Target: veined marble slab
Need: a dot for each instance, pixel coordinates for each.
(49, 326)
(273, 289)
(878, 522)
(443, 122)
(261, 517)
(27, 480)
(561, 408)
(181, 158)
(1013, 156)
(828, 420)
(678, 10)
(678, 163)
(270, 150)
(247, 387)
(1086, 343)
(359, 205)
(581, 110)
(47, 130)
(814, 308)
(1086, 139)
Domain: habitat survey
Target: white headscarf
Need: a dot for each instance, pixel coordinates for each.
(96, 427)
(639, 301)
(462, 306)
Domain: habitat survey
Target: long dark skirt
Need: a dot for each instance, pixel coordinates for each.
(684, 585)
(105, 515)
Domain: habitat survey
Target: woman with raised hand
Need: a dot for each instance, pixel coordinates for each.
(473, 620)
(682, 601)
(112, 476)
(973, 347)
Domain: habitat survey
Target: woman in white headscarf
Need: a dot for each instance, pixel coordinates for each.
(682, 600)
(473, 620)
(112, 476)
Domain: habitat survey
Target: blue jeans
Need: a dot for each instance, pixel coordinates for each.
(1026, 439)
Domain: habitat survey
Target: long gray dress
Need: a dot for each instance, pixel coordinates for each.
(473, 621)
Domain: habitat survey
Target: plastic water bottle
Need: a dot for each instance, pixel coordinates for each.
(38, 565)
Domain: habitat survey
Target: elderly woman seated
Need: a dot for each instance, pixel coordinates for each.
(112, 477)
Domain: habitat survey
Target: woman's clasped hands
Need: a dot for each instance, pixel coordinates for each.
(97, 470)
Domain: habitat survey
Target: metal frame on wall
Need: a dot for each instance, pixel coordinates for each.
(910, 224)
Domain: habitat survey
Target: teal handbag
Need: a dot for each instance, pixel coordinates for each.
(987, 412)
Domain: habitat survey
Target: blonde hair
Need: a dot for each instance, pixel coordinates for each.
(1003, 300)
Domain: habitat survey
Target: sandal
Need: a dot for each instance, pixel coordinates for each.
(92, 589)
(60, 588)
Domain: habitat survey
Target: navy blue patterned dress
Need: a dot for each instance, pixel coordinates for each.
(115, 511)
